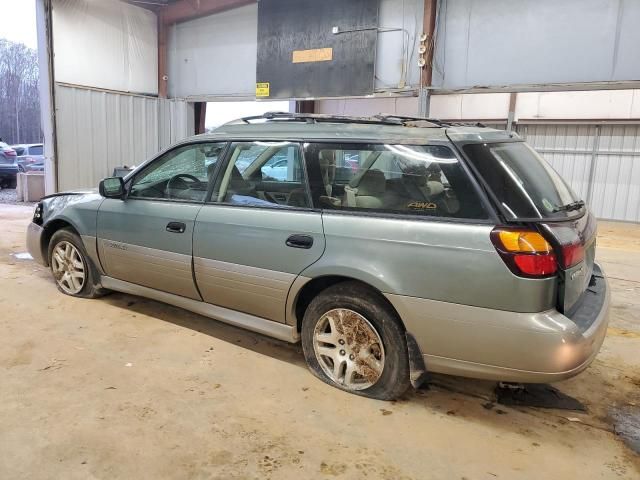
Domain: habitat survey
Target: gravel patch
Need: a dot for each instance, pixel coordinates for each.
(9, 196)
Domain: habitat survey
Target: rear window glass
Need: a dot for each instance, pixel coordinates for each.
(411, 179)
(524, 184)
(37, 150)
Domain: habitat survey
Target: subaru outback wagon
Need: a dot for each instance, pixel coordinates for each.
(389, 246)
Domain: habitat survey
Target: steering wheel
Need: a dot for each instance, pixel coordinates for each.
(182, 178)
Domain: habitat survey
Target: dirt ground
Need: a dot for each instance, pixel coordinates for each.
(123, 387)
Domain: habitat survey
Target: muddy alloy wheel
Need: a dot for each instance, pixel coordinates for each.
(349, 349)
(69, 268)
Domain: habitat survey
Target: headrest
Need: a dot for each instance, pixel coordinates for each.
(372, 183)
(435, 188)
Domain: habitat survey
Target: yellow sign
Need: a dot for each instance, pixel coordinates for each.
(262, 89)
(315, 55)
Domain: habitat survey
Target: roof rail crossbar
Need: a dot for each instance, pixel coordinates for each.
(404, 119)
(315, 118)
(380, 119)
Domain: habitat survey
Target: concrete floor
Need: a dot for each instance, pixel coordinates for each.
(124, 387)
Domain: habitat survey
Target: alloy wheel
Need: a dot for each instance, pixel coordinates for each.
(349, 349)
(68, 267)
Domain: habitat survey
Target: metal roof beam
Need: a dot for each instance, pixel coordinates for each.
(184, 10)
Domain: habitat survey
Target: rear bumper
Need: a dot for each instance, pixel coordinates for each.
(507, 346)
(34, 243)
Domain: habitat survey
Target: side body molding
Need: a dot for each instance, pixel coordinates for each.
(232, 317)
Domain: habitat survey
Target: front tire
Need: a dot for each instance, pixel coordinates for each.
(72, 269)
(353, 340)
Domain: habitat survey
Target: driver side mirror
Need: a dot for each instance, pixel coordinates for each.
(112, 187)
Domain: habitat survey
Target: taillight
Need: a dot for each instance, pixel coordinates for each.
(572, 254)
(526, 252)
(29, 160)
(10, 153)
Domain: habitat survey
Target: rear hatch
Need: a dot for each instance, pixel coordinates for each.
(528, 192)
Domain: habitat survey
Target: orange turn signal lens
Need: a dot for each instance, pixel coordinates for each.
(525, 252)
(523, 241)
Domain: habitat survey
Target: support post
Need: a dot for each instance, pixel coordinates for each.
(424, 102)
(513, 100)
(305, 106)
(426, 75)
(200, 113)
(594, 161)
(47, 94)
(163, 86)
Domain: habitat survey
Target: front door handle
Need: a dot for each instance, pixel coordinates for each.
(300, 241)
(176, 227)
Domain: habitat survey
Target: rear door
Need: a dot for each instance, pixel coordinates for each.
(258, 232)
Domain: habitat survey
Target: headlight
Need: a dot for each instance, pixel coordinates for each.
(37, 214)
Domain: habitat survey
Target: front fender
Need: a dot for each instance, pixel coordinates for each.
(78, 211)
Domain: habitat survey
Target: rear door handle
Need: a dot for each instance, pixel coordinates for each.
(300, 241)
(176, 227)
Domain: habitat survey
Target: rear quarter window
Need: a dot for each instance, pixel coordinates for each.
(524, 184)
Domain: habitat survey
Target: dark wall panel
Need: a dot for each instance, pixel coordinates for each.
(300, 56)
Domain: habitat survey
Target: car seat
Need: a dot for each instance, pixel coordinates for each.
(369, 191)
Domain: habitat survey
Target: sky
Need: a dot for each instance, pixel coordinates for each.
(19, 21)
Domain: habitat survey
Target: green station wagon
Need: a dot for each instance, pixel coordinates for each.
(389, 246)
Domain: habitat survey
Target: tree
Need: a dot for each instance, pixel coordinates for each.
(19, 95)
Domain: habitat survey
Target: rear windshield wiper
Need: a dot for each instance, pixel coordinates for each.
(569, 207)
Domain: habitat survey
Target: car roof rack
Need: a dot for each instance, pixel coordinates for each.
(382, 119)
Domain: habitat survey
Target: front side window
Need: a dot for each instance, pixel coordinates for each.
(180, 174)
(412, 179)
(267, 174)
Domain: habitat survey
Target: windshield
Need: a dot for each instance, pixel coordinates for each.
(525, 185)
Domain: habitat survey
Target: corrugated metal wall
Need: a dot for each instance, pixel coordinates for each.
(99, 130)
(601, 162)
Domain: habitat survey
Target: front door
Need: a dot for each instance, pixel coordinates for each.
(258, 232)
(146, 239)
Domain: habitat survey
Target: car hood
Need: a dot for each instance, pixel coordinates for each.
(88, 191)
(73, 204)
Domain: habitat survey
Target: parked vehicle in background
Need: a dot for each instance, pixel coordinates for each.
(122, 171)
(29, 157)
(387, 246)
(8, 166)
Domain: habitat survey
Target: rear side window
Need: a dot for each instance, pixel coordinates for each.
(411, 179)
(263, 174)
(19, 151)
(524, 184)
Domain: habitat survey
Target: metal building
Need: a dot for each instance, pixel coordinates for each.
(121, 80)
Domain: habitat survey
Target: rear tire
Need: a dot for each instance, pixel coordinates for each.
(72, 269)
(353, 340)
